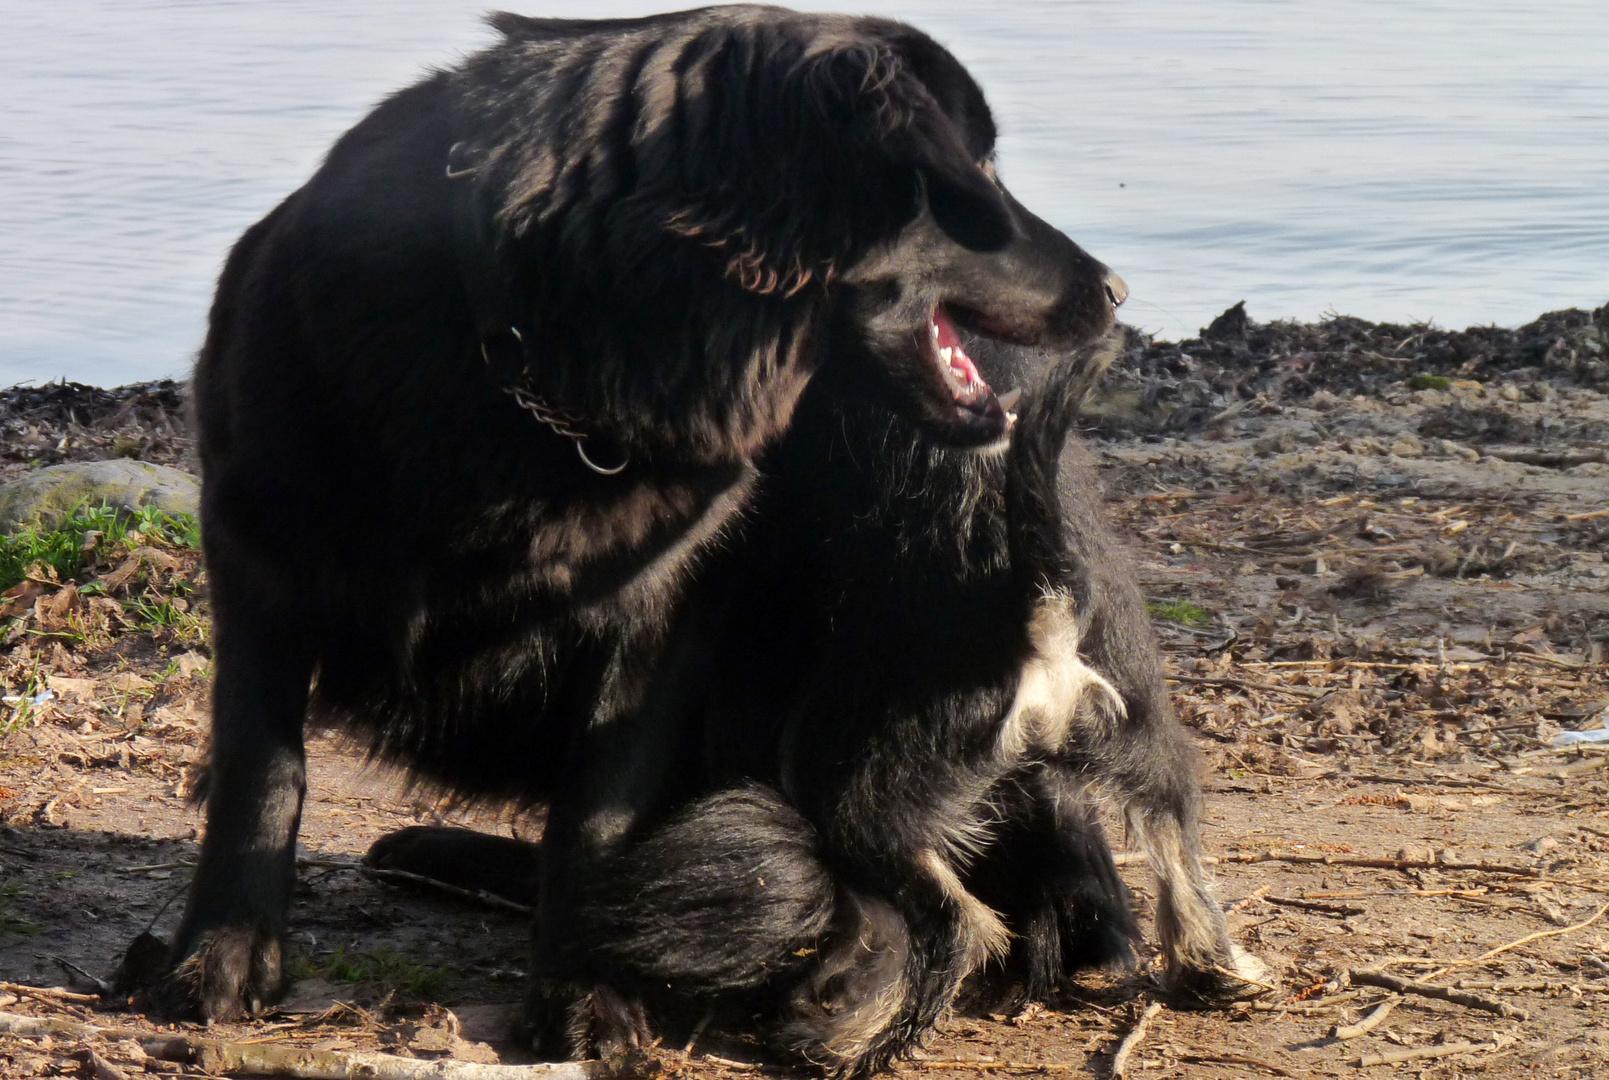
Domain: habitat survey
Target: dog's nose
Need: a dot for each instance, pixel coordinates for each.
(1117, 290)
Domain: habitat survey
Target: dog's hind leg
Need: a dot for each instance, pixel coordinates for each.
(476, 862)
(1051, 875)
(1143, 755)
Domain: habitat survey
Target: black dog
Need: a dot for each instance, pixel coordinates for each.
(474, 399)
(898, 687)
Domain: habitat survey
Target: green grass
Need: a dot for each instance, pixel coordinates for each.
(22, 715)
(9, 923)
(1430, 382)
(380, 969)
(65, 550)
(1182, 612)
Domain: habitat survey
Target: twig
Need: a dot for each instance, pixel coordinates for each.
(1527, 939)
(1383, 864)
(1004, 1066)
(1120, 1060)
(1317, 905)
(102, 987)
(1588, 515)
(1295, 691)
(1441, 993)
(728, 1063)
(1478, 891)
(1304, 1008)
(698, 1031)
(1421, 1053)
(1232, 1059)
(50, 993)
(1415, 781)
(217, 1056)
(1247, 901)
(1562, 459)
(1229, 973)
(1367, 1024)
(1139, 858)
(480, 895)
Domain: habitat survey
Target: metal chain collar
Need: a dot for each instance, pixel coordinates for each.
(558, 421)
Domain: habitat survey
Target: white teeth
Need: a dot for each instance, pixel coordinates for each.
(947, 354)
(1008, 400)
(933, 331)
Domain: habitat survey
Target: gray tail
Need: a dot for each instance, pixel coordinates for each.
(1040, 553)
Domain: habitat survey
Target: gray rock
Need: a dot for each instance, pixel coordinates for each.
(47, 498)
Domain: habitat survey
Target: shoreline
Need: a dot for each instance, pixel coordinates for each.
(1223, 326)
(1155, 388)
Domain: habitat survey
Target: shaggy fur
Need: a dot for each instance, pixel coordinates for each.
(600, 244)
(902, 685)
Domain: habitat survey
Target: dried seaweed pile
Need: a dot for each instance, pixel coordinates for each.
(67, 421)
(1182, 387)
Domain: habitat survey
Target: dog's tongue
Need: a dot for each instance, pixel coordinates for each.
(947, 342)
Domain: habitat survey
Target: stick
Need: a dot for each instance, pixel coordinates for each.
(1232, 1059)
(1422, 1052)
(269, 1059)
(1317, 905)
(698, 1031)
(1442, 993)
(728, 1063)
(1120, 1060)
(1367, 1024)
(982, 1066)
(1527, 939)
(1247, 901)
(480, 895)
(1383, 864)
(1139, 858)
(51, 993)
(1550, 459)
(1307, 692)
(1235, 976)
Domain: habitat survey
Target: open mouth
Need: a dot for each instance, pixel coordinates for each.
(973, 398)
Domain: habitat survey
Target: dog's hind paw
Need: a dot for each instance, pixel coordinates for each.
(1238, 976)
(567, 1022)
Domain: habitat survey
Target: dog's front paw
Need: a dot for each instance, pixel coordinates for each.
(227, 974)
(567, 1022)
(1236, 976)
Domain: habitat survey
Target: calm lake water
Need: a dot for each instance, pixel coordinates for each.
(1391, 159)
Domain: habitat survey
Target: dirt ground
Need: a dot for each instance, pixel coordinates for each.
(1377, 561)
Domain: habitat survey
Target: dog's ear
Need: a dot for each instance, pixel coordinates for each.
(963, 198)
(872, 89)
(790, 158)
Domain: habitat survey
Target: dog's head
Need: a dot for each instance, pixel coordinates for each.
(801, 193)
(853, 162)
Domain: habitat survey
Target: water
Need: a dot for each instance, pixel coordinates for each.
(1391, 159)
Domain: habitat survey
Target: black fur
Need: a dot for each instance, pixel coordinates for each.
(632, 240)
(869, 654)
(864, 657)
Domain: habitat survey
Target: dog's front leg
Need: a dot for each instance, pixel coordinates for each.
(225, 960)
(1145, 759)
(1142, 754)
